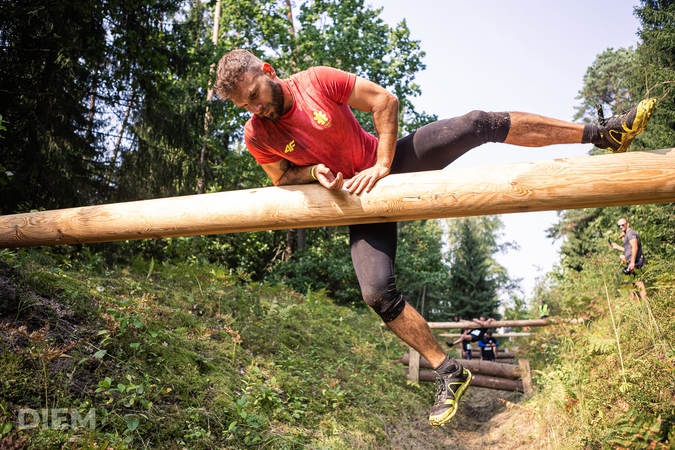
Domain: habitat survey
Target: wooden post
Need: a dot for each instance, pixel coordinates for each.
(526, 375)
(590, 181)
(414, 366)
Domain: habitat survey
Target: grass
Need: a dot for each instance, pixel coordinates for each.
(191, 356)
(610, 383)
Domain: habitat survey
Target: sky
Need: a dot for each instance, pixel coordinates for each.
(517, 55)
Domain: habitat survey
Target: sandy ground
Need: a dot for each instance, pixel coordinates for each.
(486, 419)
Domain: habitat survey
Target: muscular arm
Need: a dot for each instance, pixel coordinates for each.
(369, 97)
(283, 173)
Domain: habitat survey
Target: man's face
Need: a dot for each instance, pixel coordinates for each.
(622, 225)
(260, 95)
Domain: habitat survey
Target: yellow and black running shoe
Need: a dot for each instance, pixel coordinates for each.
(449, 390)
(619, 131)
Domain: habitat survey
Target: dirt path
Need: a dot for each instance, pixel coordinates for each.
(482, 422)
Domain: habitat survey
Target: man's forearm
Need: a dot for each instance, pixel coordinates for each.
(295, 175)
(385, 120)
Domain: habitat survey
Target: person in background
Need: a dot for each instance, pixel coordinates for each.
(472, 334)
(466, 350)
(544, 310)
(488, 347)
(632, 255)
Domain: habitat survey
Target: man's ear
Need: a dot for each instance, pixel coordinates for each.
(269, 70)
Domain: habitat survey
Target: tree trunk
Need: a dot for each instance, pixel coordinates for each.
(118, 144)
(500, 323)
(92, 109)
(289, 245)
(291, 29)
(424, 295)
(302, 238)
(201, 184)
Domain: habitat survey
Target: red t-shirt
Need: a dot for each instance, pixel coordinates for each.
(319, 128)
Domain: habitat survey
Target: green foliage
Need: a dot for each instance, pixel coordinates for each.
(421, 272)
(375, 51)
(637, 431)
(324, 265)
(606, 83)
(475, 277)
(187, 355)
(655, 75)
(129, 82)
(46, 58)
(608, 384)
(517, 309)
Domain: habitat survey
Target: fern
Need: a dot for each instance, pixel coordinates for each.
(601, 345)
(637, 431)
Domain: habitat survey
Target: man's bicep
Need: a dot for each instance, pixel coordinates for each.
(366, 95)
(276, 170)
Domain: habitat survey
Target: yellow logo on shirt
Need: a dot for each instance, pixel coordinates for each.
(322, 119)
(290, 146)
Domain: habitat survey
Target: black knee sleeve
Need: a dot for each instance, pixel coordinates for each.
(490, 126)
(387, 306)
(373, 248)
(378, 288)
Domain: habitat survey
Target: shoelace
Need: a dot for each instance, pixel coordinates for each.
(601, 115)
(440, 384)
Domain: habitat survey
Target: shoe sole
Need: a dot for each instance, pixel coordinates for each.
(642, 116)
(439, 421)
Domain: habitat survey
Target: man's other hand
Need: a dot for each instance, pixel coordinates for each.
(366, 179)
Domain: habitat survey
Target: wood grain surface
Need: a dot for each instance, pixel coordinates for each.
(592, 181)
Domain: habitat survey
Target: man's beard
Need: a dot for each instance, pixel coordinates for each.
(276, 106)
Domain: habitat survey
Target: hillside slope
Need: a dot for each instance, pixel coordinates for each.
(188, 356)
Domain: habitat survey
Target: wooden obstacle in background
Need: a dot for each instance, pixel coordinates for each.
(564, 183)
(497, 377)
(504, 323)
(496, 335)
(487, 368)
(487, 374)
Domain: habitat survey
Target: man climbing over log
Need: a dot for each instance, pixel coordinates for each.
(473, 334)
(302, 131)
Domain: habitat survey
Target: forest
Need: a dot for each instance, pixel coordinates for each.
(262, 340)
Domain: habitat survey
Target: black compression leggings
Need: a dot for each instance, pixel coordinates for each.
(432, 147)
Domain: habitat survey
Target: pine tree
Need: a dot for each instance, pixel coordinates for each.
(475, 277)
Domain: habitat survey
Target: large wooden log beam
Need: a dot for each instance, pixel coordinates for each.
(591, 181)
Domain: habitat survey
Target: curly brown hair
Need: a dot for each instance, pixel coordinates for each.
(231, 69)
